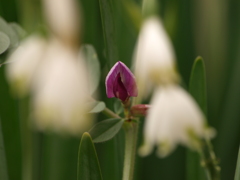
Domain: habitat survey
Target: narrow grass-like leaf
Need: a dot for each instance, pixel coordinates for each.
(237, 173)
(197, 84)
(97, 107)
(106, 130)
(197, 88)
(88, 165)
(56, 156)
(3, 165)
(194, 169)
(93, 66)
(109, 29)
(4, 42)
(109, 11)
(11, 130)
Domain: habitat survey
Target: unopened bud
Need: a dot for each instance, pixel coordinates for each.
(120, 83)
(140, 109)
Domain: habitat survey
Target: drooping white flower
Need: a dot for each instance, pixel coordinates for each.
(23, 63)
(63, 18)
(154, 57)
(174, 118)
(54, 73)
(60, 92)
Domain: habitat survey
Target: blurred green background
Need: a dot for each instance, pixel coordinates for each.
(197, 27)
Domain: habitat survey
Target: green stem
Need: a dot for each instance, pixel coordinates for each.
(209, 161)
(110, 113)
(131, 130)
(237, 173)
(203, 163)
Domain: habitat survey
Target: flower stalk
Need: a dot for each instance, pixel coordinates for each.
(131, 130)
(209, 161)
(131, 133)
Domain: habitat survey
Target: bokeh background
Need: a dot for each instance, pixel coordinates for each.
(209, 28)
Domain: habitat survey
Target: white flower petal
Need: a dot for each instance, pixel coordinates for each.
(63, 18)
(154, 57)
(23, 62)
(145, 149)
(173, 117)
(60, 92)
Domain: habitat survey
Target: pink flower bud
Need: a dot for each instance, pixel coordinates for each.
(120, 82)
(140, 109)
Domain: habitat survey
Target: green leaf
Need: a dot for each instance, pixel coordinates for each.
(21, 33)
(54, 157)
(109, 29)
(3, 164)
(118, 108)
(106, 130)
(93, 66)
(197, 88)
(5, 28)
(194, 169)
(197, 85)
(11, 130)
(4, 42)
(88, 165)
(237, 173)
(97, 107)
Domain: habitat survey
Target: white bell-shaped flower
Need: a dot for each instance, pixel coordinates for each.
(22, 64)
(60, 92)
(63, 17)
(174, 118)
(154, 57)
(54, 73)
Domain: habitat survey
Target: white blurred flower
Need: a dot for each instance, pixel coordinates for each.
(60, 92)
(154, 57)
(174, 118)
(63, 19)
(54, 73)
(23, 64)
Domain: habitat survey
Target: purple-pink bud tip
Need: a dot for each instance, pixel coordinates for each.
(120, 82)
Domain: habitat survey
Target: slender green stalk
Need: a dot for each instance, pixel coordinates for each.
(237, 173)
(203, 163)
(131, 130)
(209, 161)
(110, 113)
